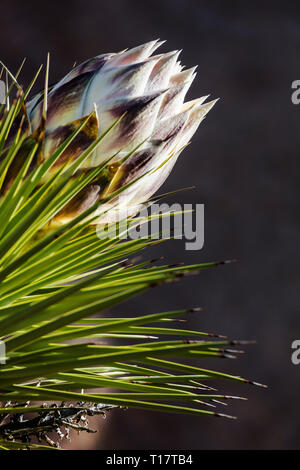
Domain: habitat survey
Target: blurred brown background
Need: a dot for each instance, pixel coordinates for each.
(244, 161)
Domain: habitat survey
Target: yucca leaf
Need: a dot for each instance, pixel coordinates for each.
(57, 277)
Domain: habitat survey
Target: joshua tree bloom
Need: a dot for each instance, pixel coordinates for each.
(106, 136)
(149, 90)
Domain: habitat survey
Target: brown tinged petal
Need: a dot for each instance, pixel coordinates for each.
(131, 169)
(86, 198)
(135, 127)
(157, 160)
(167, 127)
(91, 65)
(64, 103)
(148, 185)
(79, 144)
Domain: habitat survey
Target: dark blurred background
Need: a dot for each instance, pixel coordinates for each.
(244, 161)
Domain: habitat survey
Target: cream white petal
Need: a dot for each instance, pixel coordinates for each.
(190, 104)
(162, 71)
(197, 114)
(126, 81)
(136, 54)
(184, 76)
(173, 100)
(156, 45)
(178, 67)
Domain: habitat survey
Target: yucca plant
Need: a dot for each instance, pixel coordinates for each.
(100, 141)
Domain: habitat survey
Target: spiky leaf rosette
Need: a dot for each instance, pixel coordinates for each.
(58, 275)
